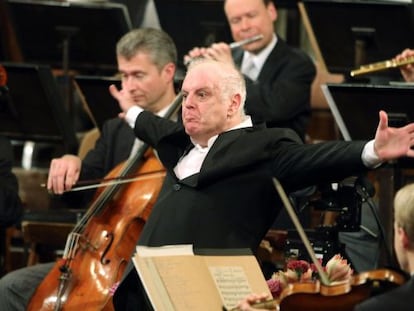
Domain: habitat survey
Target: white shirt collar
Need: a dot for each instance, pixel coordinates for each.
(191, 163)
(247, 122)
(260, 58)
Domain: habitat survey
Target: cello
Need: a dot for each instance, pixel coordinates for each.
(101, 244)
(324, 295)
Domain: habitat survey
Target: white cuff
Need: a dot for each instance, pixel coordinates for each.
(369, 156)
(132, 114)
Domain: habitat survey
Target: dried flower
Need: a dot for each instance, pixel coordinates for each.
(337, 269)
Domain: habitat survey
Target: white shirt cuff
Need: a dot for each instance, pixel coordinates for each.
(369, 156)
(132, 114)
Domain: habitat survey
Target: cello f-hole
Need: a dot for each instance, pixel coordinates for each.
(104, 260)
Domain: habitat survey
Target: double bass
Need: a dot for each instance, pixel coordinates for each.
(101, 244)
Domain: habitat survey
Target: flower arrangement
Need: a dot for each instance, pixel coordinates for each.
(337, 270)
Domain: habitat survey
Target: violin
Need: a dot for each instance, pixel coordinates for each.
(323, 295)
(342, 296)
(100, 246)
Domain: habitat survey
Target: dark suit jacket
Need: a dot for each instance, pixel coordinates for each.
(400, 298)
(112, 148)
(11, 208)
(281, 95)
(232, 202)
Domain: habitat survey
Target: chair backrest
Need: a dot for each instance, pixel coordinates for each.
(88, 142)
(51, 234)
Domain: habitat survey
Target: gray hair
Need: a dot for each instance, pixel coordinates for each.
(157, 43)
(231, 80)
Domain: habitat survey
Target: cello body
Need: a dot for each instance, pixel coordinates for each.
(101, 249)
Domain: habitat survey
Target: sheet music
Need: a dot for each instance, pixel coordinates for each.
(177, 280)
(232, 284)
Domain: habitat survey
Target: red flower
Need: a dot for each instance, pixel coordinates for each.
(275, 287)
(301, 266)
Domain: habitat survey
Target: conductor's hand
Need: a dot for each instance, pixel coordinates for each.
(63, 173)
(407, 71)
(392, 143)
(217, 51)
(124, 99)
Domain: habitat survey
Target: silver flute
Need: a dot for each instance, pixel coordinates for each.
(240, 43)
(237, 44)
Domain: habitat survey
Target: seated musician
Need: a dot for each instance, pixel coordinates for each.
(279, 86)
(407, 71)
(400, 298)
(147, 62)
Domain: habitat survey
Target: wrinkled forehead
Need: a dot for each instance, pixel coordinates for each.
(199, 76)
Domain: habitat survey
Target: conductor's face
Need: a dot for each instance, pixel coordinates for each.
(205, 111)
(144, 82)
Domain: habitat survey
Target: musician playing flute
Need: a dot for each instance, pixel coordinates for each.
(278, 76)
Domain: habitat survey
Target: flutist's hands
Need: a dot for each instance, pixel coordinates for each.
(63, 173)
(392, 143)
(218, 51)
(407, 71)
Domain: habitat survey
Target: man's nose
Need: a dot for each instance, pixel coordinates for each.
(244, 23)
(129, 82)
(188, 102)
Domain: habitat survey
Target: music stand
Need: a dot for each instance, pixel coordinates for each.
(95, 96)
(74, 35)
(33, 108)
(357, 34)
(355, 108)
(200, 23)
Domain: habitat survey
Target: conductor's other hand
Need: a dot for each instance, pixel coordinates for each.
(392, 143)
(63, 173)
